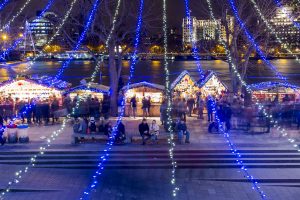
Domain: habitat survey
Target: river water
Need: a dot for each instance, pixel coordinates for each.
(153, 71)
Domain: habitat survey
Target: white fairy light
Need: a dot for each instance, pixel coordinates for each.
(15, 16)
(56, 133)
(114, 23)
(272, 30)
(283, 132)
(169, 103)
(59, 28)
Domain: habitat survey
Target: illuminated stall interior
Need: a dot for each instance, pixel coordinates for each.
(185, 86)
(266, 91)
(27, 89)
(212, 85)
(94, 90)
(144, 89)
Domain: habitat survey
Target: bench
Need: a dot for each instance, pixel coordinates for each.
(162, 138)
(76, 137)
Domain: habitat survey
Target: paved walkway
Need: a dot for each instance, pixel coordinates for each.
(206, 169)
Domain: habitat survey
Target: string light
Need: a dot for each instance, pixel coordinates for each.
(234, 151)
(114, 23)
(105, 156)
(15, 16)
(81, 38)
(260, 106)
(55, 134)
(19, 40)
(272, 30)
(58, 29)
(283, 132)
(252, 41)
(3, 4)
(169, 103)
(191, 36)
(288, 15)
(226, 134)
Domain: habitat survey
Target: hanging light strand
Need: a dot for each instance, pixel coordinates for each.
(7, 25)
(105, 155)
(3, 4)
(113, 23)
(226, 134)
(55, 134)
(19, 40)
(261, 107)
(234, 151)
(169, 103)
(252, 41)
(195, 51)
(57, 32)
(273, 31)
(287, 14)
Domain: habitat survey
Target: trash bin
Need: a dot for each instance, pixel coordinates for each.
(23, 133)
(12, 134)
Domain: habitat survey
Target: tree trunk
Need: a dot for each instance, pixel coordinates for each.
(113, 76)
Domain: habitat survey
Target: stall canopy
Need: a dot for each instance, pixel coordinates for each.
(93, 89)
(26, 89)
(269, 90)
(211, 84)
(185, 85)
(148, 90)
(155, 91)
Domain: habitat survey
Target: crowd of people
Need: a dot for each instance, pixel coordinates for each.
(48, 110)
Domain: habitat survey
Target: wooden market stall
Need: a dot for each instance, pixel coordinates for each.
(93, 89)
(184, 86)
(212, 85)
(270, 91)
(144, 89)
(26, 89)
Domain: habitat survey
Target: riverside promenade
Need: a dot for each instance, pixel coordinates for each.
(206, 167)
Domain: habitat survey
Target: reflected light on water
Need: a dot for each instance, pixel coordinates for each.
(259, 61)
(218, 61)
(126, 63)
(4, 76)
(86, 62)
(156, 64)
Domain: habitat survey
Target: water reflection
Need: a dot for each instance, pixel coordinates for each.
(156, 63)
(152, 71)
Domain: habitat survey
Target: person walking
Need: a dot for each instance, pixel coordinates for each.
(144, 131)
(190, 105)
(133, 105)
(201, 105)
(182, 109)
(209, 107)
(144, 107)
(54, 109)
(227, 112)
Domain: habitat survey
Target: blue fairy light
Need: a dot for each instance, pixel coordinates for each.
(105, 155)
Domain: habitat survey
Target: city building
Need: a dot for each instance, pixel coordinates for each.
(204, 29)
(40, 29)
(284, 27)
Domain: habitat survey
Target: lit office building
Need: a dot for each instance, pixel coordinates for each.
(204, 30)
(284, 27)
(41, 29)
